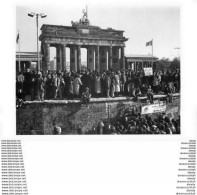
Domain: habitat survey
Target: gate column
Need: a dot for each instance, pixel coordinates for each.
(78, 58)
(110, 57)
(64, 58)
(46, 56)
(97, 58)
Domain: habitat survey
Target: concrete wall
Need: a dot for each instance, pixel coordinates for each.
(72, 115)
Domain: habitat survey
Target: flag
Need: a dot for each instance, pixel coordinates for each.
(150, 43)
(17, 38)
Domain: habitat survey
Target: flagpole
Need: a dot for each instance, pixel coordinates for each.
(19, 62)
(152, 53)
(87, 11)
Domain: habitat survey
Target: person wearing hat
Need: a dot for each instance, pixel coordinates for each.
(150, 94)
(57, 130)
(107, 128)
(97, 85)
(40, 87)
(107, 85)
(27, 81)
(70, 86)
(123, 80)
(136, 93)
(113, 130)
(113, 83)
(76, 85)
(155, 129)
(19, 81)
(117, 84)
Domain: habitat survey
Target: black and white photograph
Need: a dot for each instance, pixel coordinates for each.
(98, 70)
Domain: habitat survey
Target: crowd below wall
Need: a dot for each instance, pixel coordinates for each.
(130, 122)
(53, 85)
(133, 123)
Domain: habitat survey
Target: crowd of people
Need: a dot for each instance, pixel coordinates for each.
(52, 85)
(132, 123)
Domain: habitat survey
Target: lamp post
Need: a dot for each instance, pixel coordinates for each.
(32, 14)
(178, 54)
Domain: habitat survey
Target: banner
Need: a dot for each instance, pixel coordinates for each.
(153, 108)
(172, 113)
(148, 71)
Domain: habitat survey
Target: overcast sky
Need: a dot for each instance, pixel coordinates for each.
(141, 24)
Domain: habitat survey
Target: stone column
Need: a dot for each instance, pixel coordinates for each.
(73, 66)
(22, 66)
(47, 57)
(64, 57)
(103, 58)
(115, 58)
(90, 58)
(87, 59)
(78, 57)
(71, 59)
(19, 66)
(58, 58)
(110, 57)
(29, 65)
(123, 57)
(97, 58)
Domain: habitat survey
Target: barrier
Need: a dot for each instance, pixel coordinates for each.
(73, 115)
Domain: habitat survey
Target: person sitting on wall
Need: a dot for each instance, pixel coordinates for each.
(169, 92)
(143, 90)
(20, 98)
(86, 96)
(76, 85)
(150, 94)
(136, 93)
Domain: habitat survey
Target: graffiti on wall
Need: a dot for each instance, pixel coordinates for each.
(29, 117)
(74, 118)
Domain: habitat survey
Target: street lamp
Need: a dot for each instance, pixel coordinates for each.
(32, 14)
(178, 49)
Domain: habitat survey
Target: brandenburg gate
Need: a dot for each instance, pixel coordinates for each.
(105, 47)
